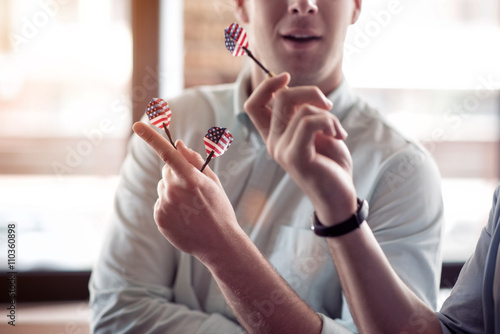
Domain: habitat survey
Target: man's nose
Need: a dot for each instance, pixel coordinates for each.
(302, 7)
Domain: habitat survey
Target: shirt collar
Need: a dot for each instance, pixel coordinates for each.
(343, 99)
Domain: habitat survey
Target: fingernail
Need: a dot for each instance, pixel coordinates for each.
(341, 132)
(283, 75)
(138, 128)
(328, 102)
(344, 132)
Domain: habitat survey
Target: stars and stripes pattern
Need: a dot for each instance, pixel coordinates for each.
(158, 112)
(236, 39)
(217, 140)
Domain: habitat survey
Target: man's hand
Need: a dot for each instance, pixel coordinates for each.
(192, 211)
(307, 141)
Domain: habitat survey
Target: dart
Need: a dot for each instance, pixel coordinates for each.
(159, 115)
(237, 44)
(217, 140)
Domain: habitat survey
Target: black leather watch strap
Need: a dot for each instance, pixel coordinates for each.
(345, 227)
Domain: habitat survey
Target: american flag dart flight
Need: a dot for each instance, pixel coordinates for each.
(237, 44)
(236, 39)
(217, 140)
(159, 115)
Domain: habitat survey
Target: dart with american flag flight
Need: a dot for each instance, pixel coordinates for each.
(217, 140)
(237, 43)
(159, 115)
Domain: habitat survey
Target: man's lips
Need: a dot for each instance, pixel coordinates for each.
(301, 38)
(300, 35)
(301, 41)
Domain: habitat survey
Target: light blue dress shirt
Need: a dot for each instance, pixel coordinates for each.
(142, 284)
(474, 303)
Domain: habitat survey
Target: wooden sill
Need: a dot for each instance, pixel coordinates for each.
(61, 156)
(49, 318)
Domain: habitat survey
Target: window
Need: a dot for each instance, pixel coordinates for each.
(432, 67)
(65, 111)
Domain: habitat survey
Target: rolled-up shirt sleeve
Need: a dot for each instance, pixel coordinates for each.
(331, 326)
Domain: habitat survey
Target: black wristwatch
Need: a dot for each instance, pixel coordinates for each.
(343, 228)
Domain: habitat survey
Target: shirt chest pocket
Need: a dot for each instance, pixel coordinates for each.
(303, 260)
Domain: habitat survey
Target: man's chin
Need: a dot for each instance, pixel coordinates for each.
(304, 75)
(310, 70)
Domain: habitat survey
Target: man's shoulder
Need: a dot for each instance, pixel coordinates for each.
(367, 125)
(380, 148)
(494, 220)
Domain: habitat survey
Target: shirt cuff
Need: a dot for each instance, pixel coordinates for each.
(331, 326)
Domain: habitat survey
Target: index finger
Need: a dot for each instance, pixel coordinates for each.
(162, 147)
(257, 104)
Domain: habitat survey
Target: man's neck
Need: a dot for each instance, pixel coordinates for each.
(327, 85)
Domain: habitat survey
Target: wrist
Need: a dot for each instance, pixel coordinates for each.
(344, 227)
(342, 210)
(227, 252)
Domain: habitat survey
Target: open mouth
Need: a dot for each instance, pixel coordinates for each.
(301, 38)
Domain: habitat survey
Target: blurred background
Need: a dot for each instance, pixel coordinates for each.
(75, 74)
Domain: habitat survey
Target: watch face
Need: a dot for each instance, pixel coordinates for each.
(362, 210)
